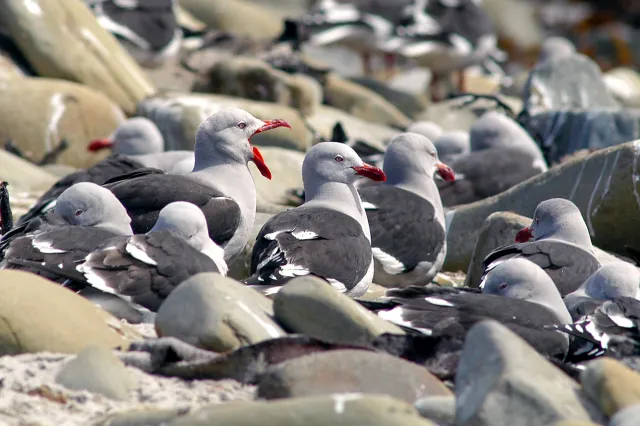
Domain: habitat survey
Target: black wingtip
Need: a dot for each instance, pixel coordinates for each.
(6, 215)
(339, 134)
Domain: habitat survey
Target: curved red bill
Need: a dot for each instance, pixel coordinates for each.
(99, 144)
(445, 172)
(524, 235)
(270, 125)
(258, 159)
(371, 172)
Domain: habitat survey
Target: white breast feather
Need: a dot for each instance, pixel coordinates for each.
(139, 254)
(390, 264)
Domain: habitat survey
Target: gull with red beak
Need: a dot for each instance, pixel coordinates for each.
(220, 184)
(405, 213)
(328, 236)
(558, 241)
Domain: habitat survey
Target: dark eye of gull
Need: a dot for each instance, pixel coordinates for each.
(242, 125)
(339, 158)
(503, 286)
(537, 221)
(79, 212)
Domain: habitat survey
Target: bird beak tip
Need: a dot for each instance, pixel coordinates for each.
(445, 172)
(374, 173)
(524, 235)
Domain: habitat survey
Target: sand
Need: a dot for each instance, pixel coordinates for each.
(30, 396)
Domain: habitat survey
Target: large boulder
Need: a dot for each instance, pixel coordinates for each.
(24, 176)
(39, 316)
(603, 185)
(62, 39)
(568, 107)
(179, 115)
(611, 385)
(37, 113)
(502, 381)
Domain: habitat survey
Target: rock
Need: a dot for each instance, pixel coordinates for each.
(339, 409)
(38, 316)
(299, 304)
(626, 417)
(252, 78)
(216, 313)
(624, 86)
(349, 371)
(148, 417)
(374, 134)
(22, 175)
(66, 31)
(240, 17)
(240, 266)
(58, 170)
(611, 385)
(171, 76)
(36, 113)
(374, 292)
(501, 380)
(568, 107)
(440, 409)
(9, 69)
(179, 115)
(96, 370)
(409, 104)
(453, 114)
(498, 230)
(286, 168)
(362, 103)
(574, 423)
(602, 185)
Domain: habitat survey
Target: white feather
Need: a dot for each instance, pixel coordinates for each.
(291, 270)
(622, 321)
(390, 264)
(439, 302)
(271, 236)
(368, 206)
(304, 235)
(45, 247)
(337, 285)
(139, 254)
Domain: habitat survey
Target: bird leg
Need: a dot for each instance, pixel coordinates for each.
(366, 64)
(462, 81)
(52, 156)
(6, 215)
(389, 65)
(11, 147)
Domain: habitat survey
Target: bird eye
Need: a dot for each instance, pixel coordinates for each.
(79, 212)
(433, 154)
(503, 286)
(339, 158)
(537, 221)
(242, 125)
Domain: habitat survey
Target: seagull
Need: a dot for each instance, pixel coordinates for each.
(405, 213)
(220, 183)
(561, 245)
(328, 236)
(136, 143)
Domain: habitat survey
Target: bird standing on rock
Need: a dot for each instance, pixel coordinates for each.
(405, 213)
(328, 236)
(220, 183)
(561, 245)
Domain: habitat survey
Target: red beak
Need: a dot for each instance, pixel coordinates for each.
(99, 145)
(371, 172)
(445, 172)
(270, 125)
(524, 235)
(258, 159)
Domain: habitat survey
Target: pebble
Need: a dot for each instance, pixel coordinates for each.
(349, 371)
(285, 166)
(240, 266)
(611, 385)
(216, 313)
(345, 409)
(501, 380)
(626, 417)
(38, 316)
(440, 409)
(97, 370)
(305, 299)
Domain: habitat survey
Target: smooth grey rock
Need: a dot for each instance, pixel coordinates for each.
(286, 170)
(349, 371)
(611, 385)
(626, 417)
(97, 370)
(148, 417)
(302, 301)
(411, 105)
(501, 380)
(337, 409)
(216, 313)
(603, 185)
(440, 409)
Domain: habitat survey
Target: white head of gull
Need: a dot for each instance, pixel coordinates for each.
(329, 171)
(452, 143)
(558, 219)
(222, 153)
(410, 162)
(614, 279)
(187, 221)
(135, 136)
(88, 204)
(522, 279)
